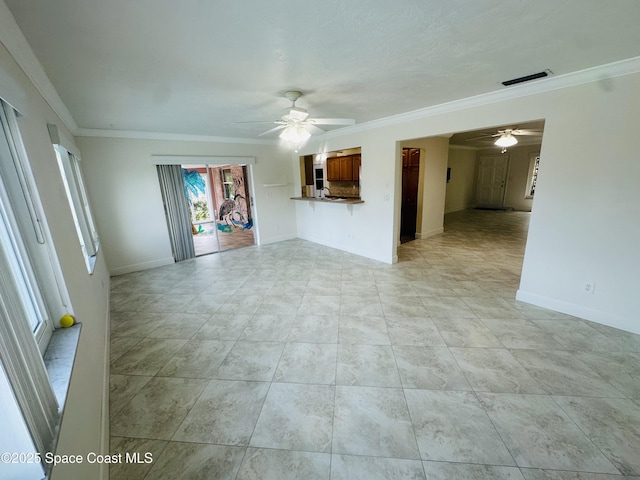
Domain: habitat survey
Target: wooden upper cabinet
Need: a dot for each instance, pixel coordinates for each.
(345, 169)
(357, 161)
(333, 169)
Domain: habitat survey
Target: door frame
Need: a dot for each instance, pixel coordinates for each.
(216, 161)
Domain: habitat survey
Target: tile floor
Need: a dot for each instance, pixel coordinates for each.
(297, 361)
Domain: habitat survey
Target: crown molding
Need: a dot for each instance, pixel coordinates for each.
(15, 42)
(548, 84)
(132, 134)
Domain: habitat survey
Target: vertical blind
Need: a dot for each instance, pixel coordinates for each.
(176, 210)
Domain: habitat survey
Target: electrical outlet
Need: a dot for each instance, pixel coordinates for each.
(589, 287)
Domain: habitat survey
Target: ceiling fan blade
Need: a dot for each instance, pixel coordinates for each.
(312, 129)
(526, 132)
(275, 129)
(255, 123)
(331, 121)
(486, 136)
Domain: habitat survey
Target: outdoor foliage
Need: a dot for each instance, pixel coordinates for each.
(194, 185)
(201, 210)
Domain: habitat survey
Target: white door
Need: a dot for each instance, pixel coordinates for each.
(492, 178)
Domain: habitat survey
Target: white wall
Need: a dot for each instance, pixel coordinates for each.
(461, 187)
(585, 222)
(519, 160)
(85, 422)
(125, 195)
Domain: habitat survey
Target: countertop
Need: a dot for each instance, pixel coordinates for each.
(344, 200)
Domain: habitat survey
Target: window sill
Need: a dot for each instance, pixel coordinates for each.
(58, 360)
(91, 260)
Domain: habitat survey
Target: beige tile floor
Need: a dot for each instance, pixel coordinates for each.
(298, 361)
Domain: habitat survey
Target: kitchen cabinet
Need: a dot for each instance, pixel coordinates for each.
(357, 161)
(346, 168)
(333, 169)
(343, 169)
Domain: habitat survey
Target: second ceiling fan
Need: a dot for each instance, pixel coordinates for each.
(507, 137)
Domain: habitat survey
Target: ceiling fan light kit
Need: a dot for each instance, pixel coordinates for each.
(296, 135)
(506, 140)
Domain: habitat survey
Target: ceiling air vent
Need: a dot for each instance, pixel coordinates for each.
(527, 78)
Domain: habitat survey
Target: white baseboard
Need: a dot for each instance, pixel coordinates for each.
(580, 311)
(280, 238)
(105, 420)
(136, 267)
(430, 233)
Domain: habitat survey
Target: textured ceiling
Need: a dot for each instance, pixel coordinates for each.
(198, 66)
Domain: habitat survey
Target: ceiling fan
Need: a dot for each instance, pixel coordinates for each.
(507, 137)
(296, 125)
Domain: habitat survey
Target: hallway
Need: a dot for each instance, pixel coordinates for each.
(298, 361)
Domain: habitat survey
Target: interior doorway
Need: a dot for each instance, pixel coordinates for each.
(409, 209)
(220, 207)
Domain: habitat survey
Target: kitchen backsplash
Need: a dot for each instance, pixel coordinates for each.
(344, 189)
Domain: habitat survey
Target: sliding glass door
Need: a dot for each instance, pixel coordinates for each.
(220, 204)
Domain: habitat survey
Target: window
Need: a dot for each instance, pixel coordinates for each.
(21, 272)
(28, 232)
(29, 290)
(534, 164)
(69, 163)
(20, 316)
(227, 184)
